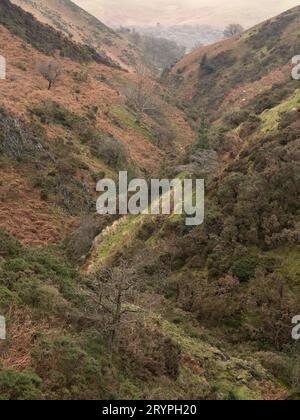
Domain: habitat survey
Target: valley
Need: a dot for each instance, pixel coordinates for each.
(147, 307)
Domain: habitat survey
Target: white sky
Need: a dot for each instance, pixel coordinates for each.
(212, 12)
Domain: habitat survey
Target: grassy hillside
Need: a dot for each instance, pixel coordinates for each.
(154, 309)
(231, 73)
(67, 138)
(66, 17)
(237, 276)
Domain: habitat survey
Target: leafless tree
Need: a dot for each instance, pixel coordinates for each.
(140, 94)
(114, 290)
(232, 30)
(51, 72)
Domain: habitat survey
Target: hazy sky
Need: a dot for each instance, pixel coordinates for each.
(213, 12)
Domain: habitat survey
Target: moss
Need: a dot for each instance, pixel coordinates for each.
(226, 391)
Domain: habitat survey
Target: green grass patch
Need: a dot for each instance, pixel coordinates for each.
(131, 121)
(270, 118)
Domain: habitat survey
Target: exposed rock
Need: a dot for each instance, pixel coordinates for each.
(17, 139)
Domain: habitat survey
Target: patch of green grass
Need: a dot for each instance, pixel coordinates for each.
(270, 118)
(223, 372)
(117, 237)
(130, 120)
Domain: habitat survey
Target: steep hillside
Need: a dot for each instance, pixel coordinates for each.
(85, 117)
(232, 72)
(56, 141)
(71, 20)
(237, 275)
(147, 307)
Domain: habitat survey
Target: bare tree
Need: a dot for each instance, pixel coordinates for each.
(232, 30)
(51, 72)
(140, 95)
(114, 290)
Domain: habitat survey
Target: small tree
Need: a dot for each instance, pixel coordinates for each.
(203, 132)
(51, 72)
(232, 30)
(115, 288)
(140, 95)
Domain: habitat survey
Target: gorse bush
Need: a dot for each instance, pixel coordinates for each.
(65, 362)
(9, 247)
(26, 272)
(19, 385)
(43, 284)
(53, 113)
(244, 269)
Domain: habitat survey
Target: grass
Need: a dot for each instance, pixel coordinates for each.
(130, 120)
(219, 372)
(117, 237)
(271, 116)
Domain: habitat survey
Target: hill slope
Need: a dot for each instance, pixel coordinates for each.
(238, 274)
(230, 73)
(82, 27)
(159, 309)
(55, 144)
(86, 113)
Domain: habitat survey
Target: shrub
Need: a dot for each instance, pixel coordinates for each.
(111, 151)
(19, 385)
(234, 118)
(54, 113)
(9, 247)
(69, 371)
(245, 268)
(206, 66)
(20, 140)
(219, 139)
(79, 242)
(80, 76)
(172, 353)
